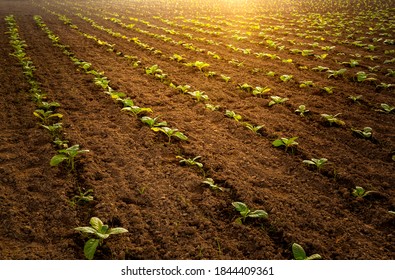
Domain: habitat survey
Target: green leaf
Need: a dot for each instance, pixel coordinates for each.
(309, 162)
(314, 257)
(90, 248)
(298, 252)
(180, 135)
(277, 143)
(57, 159)
(87, 230)
(258, 214)
(117, 230)
(240, 207)
(57, 115)
(96, 223)
(102, 235)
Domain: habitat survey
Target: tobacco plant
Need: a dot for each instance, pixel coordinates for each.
(245, 212)
(336, 73)
(305, 84)
(286, 142)
(192, 162)
(46, 116)
(136, 110)
(246, 87)
(170, 132)
(198, 64)
(356, 98)
(199, 95)
(68, 155)
(276, 100)
(232, 114)
(253, 128)
(82, 197)
(385, 108)
(225, 78)
(103, 82)
(47, 106)
(97, 232)
(366, 132)
(328, 90)
(302, 110)
(363, 77)
(300, 254)
(212, 107)
(286, 78)
(152, 122)
(53, 129)
(332, 119)
(319, 163)
(361, 192)
(183, 88)
(210, 182)
(259, 91)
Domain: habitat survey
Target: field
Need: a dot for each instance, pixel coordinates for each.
(286, 106)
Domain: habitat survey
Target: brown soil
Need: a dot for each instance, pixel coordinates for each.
(138, 182)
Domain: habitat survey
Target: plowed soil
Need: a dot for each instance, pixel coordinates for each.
(137, 181)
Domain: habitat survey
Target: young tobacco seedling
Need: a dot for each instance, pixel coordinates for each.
(198, 64)
(320, 68)
(102, 82)
(299, 253)
(335, 74)
(170, 132)
(260, 91)
(363, 77)
(385, 86)
(276, 100)
(67, 155)
(356, 98)
(61, 143)
(245, 212)
(304, 84)
(192, 162)
(184, 88)
(53, 129)
(177, 57)
(328, 90)
(46, 116)
(386, 108)
(115, 95)
(212, 107)
(153, 70)
(365, 133)
(47, 106)
(152, 122)
(225, 78)
(210, 182)
(82, 197)
(286, 78)
(246, 87)
(287, 143)
(302, 110)
(319, 163)
(97, 233)
(361, 192)
(136, 110)
(253, 128)
(231, 114)
(199, 95)
(332, 119)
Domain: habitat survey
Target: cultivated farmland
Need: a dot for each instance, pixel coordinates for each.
(197, 130)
